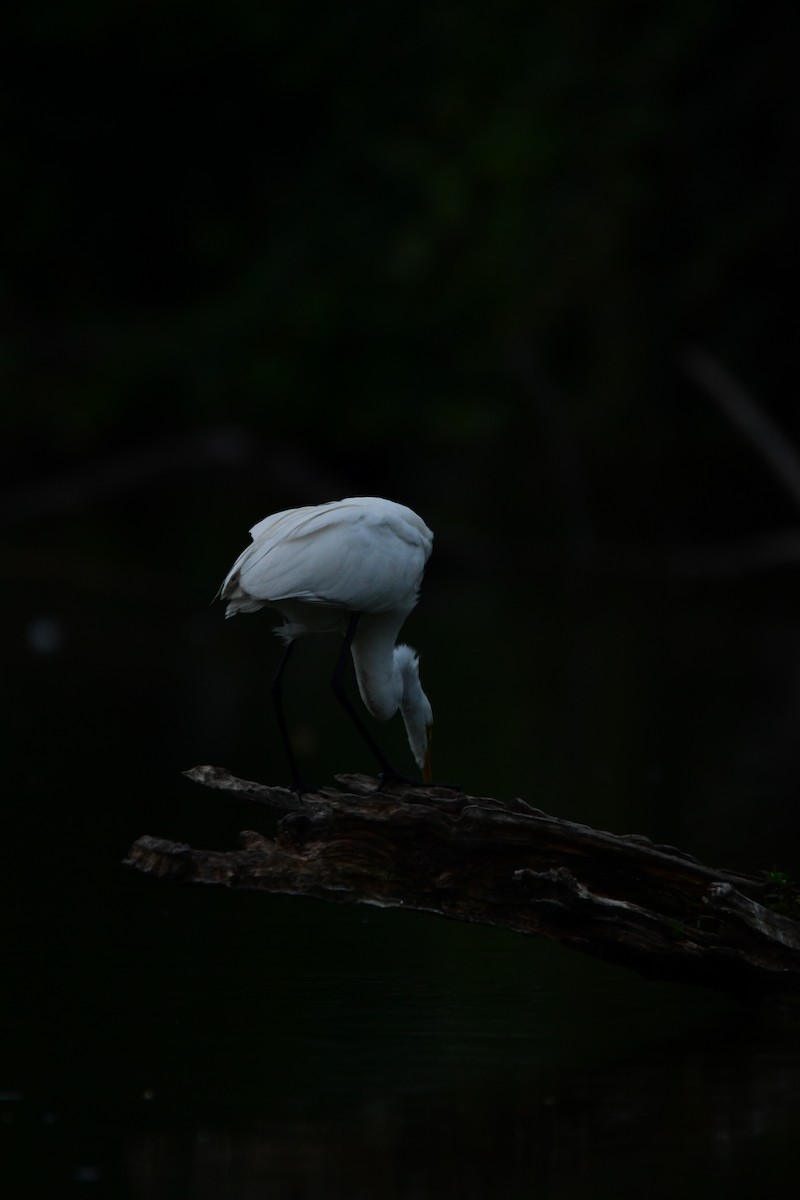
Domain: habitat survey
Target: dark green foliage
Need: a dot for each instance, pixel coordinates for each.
(374, 211)
(783, 895)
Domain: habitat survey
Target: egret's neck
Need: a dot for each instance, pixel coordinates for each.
(380, 680)
(415, 707)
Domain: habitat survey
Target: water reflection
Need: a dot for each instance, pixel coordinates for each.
(708, 1118)
(356, 1054)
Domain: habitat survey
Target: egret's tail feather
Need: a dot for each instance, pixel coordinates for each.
(239, 601)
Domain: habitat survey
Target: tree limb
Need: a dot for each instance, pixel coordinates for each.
(620, 898)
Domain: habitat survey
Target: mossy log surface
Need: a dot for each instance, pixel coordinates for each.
(474, 858)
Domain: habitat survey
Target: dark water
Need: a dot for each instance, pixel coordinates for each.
(164, 1042)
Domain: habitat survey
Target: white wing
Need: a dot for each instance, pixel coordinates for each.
(364, 555)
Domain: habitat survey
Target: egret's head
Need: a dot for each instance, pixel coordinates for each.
(415, 708)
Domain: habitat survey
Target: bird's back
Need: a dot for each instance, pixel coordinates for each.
(363, 554)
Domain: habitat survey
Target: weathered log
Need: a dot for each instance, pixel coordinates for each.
(621, 898)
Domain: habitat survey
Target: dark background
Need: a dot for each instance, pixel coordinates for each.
(482, 263)
(524, 268)
(394, 243)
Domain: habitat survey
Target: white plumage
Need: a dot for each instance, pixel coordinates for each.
(355, 567)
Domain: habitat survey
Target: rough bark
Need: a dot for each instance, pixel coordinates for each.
(621, 898)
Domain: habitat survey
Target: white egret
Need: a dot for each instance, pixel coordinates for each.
(352, 567)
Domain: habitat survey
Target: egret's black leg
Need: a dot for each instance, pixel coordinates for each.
(277, 702)
(388, 772)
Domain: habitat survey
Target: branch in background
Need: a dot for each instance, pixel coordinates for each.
(730, 560)
(745, 414)
(139, 470)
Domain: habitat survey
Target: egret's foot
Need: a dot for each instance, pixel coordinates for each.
(301, 787)
(391, 776)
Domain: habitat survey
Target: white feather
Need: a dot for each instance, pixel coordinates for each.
(320, 564)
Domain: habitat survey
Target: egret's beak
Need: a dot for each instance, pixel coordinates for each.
(426, 765)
